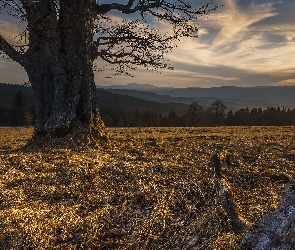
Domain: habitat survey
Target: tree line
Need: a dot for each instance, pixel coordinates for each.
(21, 113)
(197, 115)
(18, 113)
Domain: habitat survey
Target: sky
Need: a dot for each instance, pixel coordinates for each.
(244, 43)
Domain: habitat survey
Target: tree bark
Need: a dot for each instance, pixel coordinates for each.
(59, 67)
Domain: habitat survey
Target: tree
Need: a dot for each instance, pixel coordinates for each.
(5, 116)
(230, 119)
(20, 111)
(217, 112)
(242, 117)
(195, 114)
(256, 116)
(66, 36)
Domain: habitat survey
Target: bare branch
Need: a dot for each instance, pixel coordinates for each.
(124, 43)
(164, 9)
(129, 8)
(10, 51)
(132, 43)
(13, 8)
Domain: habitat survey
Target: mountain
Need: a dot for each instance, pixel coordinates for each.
(233, 97)
(106, 100)
(134, 86)
(252, 96)
(149, 97)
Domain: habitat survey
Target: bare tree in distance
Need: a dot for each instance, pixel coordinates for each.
(63, 38)
(217, 111)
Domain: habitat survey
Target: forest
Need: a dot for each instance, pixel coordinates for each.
(17, 109)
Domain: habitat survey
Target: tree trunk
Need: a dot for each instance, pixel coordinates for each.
(60, 69)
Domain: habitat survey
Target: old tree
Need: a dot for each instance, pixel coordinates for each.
(64, 37)
(62, 40)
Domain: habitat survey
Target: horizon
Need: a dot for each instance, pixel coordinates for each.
(185, 87)
(243, 44)
(26, 84)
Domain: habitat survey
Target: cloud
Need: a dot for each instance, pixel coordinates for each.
(202, 32)
(290, 38)
(11, 72)
(240, 44)
(9, 33)
(287, 82)
(236, 23)
(244, 43)
(11, 29)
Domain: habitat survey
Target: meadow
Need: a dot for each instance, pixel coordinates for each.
(146, 188)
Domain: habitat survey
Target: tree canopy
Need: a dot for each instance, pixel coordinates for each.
(63, 38)
(133, 40)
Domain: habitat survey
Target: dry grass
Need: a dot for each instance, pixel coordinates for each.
(146, 189)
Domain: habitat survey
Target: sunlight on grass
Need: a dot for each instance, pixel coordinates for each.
(148, 188)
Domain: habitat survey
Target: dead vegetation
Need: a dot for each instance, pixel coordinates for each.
(147, 188)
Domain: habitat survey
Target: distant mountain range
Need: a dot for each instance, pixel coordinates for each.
(149, 97)
(135, 86)
(233, 97)
(106, 100)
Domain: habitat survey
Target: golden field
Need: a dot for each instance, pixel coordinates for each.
(146, 188)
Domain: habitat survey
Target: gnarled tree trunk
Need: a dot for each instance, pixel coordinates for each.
(59, 65)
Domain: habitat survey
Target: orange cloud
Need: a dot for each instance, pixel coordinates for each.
(287, 82)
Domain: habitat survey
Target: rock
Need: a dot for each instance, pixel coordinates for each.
(275, 230)
(193, 241)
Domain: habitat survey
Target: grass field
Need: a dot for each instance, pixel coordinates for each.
(147, 188)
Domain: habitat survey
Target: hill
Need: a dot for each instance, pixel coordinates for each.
(107, 100)
(134, 108)
(233, 97)
(270, 95)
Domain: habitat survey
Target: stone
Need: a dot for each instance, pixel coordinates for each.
(276, 230)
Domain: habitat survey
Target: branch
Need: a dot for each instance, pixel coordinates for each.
(132, 43)
(11, 52)
(135, 42)
(128, 8)
(13, 8)
(173, 12)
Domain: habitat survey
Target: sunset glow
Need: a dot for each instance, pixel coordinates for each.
(243, 43)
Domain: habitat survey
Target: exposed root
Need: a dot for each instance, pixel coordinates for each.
(77, 137)
(226, 197)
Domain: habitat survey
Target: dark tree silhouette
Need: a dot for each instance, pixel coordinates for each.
(256, 116)
(20, 115)
(195, 114)
(230, 119)
(217, 112)
(64, 37)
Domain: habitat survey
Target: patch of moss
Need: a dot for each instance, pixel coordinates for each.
(98, 129)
